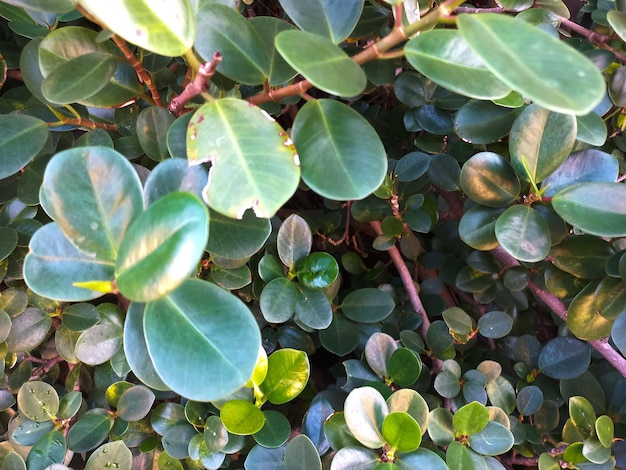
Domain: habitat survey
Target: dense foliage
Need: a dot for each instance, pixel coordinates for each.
(312, 234)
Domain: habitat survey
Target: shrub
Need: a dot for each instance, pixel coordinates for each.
(287, 234)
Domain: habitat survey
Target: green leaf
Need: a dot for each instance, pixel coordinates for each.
(322, 63)
(523, 233)
(584, 256)
(135, 403)
(241, 417)
(98, 344)
(237, 239)
(618, 333)
(341, 337)
(595, 208)
(53, 53)
(287, 375)
(401, 432)
(355, 457)
(365, 410)
(489, 179)
(331, 20)
(477, 227)
(540, 141)
(470, 419)
(529, 400)
(533, 62)
(582, 414)
(48, 450)
(564, 358)
(404, 367)
(378, 350)
(584, 166)
(268, 28)
(94, 194)
(194, 318)
(38, 401)
(447, 59)
(13, 461)
(215, 434)
(166, 28)
(617, 20)
(483, 122)
(313, 308)
(278, 300)
(368, 305)
(317, 270)
(70, 404)
(591, 129)
(605, 430)
(329, 134)
(495, 324)
(260, 173)
(89, 431)
(411, 402)
(79, 78)
(301, 454)
(294, 240)
(175, 174)
(152, 126)
(111, 455)
(46, 6)
(493, 439)
(162, 247)
(275, 431)
(260, 458)
(28, 330)
(421, 458)
(458, 321)
(21, 139)
(458, 457)
(596, 453)
(222, 29)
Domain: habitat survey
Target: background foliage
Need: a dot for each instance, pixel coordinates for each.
(302, 235)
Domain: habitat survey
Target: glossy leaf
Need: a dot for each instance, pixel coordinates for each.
(163, 247)
(483, 122)
(458, 456)
(495, 324)
(110, 455)
(404, 367)
(48, 450)
(175, 174)
(301, 454)
(193, 317)
(94, 194)
(248, 151)
(595, 208)
(278, 300)
(138, 23)
(493, 439)
(317, 270)
(378, 350)
(400, 431)
(477, 227)
(38, 401)
(241, 417)
(583, 256)
(489, 180)
(421, 458)
(88, 74)
(529, 400)
(294, 240)
(56, 6)
(591, 129)
(234, 238)
(447, 59)
(215, 434)
(564, 358)
(152, 126)
(28, 330)
(313, 308)
(287, 375)
(367, 305)
(470, 419)
(349, 457)
(341, 337)
(584, 166)
(618, 332)
(99, 343)
(275, 430)
(365, 410)
(344, 142)
(321, 62)
(135, 403)
(549, 72)
(89, 432)
(21, 139)
(222, 29)
(523, 233)
(268, 27)
(540, 141)
(331, 20)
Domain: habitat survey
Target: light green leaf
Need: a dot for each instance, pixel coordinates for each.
(111, 455)
(329, 134)
(294, 240)
(21, 139)
(401, 432)
(543, 139)
(333, 20)
(99, 343)
(493, 439)
(38, 401)
(94, 194)
(45, 6)
(194, 318)
(166, 28)
(365, 410)
(222, 29)
(163, 247)
(241, 417)
(447, 59)
(321, 62)
(287, 375)
(523, 233)
(253, 162)
(28, 330)
(596, 208)
(470, 419)
(533, 62)
(278, 300)
(617, 20)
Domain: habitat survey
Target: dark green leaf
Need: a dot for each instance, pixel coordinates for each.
(278, 300)
(89, 431)
(234, 238)
(564, 358)
(28, 330)
(268, 27)
(21, 139)
(483, 122)
(584, 256)
(584, 166)
(529, 400)
(153, 124)
(523, 233)
(341, 337)
(175, 174)
(48, 450)
(489, 179)
(404, 368)
(313, 308)
(495, 324)
(477, 227)
(367, 305)
(275, 430)
(301, 454)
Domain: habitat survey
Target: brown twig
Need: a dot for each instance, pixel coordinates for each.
(600, 40)
(85, 123)
(197, 86)
(141, 72)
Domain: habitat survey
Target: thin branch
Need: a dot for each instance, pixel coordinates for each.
(84, 123)
(197, 86)
(600, 40)
(460, 10)
(141, 72)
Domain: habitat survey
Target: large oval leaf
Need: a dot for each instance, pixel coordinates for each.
(564, 358)
(221, 29)
(253, 163)
(523, 233)
(488, 179)
(232, 238)
(540, 141)
(331, 136)
(53, 267)
(483, 122)
(53, 52)
(365, 410)
(321, 62)
(584, 318)
(333, 20)
(171, 175)
(166, 28)
(21, 139)
(94, 194)
(533, 62)
(287, 375)
(163, 247)
(185, 335)
(596, 208)
(446, 58)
